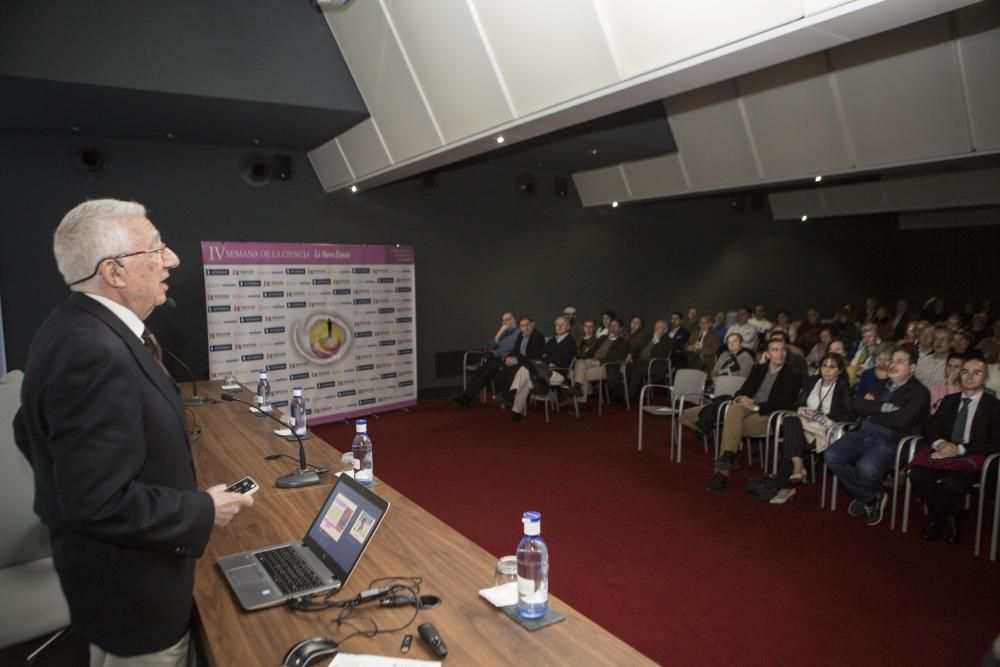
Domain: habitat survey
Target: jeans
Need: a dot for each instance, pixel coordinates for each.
(860, 460)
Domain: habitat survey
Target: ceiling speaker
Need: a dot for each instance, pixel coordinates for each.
(560, 185)
(255, 169)
(91, 159)
(525, 183)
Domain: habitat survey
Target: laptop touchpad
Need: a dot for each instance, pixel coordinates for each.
(245, 575)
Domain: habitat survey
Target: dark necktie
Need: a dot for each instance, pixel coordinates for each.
(149, 340)
(958, 432)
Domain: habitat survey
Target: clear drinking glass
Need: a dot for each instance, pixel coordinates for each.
(506, 571)
(347, 464)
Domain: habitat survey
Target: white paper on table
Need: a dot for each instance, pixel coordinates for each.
(362, 660)
(503, 595)
(231, 387)
(283, 432)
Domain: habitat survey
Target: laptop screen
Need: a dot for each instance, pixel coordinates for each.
(345, 526)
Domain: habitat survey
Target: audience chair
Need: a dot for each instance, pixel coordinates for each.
(836, 432)
(32, 603)
(551, 396)
(725, 385)
(779, 424)
(763, 439)
(908, 444)
(470, 362)
(688, 387)
(603, 392)
(983, 476)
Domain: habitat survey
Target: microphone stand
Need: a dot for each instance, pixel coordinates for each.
(304, 476)
(194, 399)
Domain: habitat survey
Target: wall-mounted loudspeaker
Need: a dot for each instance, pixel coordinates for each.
(560, 185)
(91, 159)
(525, 184)
(255, 169)
(281, 167)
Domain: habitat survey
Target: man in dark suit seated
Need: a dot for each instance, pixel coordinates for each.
(557, 352)
(965, 423)
(528, 346)
(893, 408)
(659, 346)
(501, 346)
(771, 386)
(104, 429)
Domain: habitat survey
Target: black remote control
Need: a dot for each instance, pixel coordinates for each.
(433, 639)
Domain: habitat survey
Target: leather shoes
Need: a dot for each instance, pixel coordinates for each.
(932, 531)
(954, 530)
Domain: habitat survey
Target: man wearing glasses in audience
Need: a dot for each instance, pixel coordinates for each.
(500, 347)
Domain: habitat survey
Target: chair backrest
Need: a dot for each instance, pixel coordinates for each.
(689, 381)
(727, 385)
(25, 538)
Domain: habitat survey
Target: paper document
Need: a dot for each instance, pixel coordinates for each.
(361, 660)
(501, 596)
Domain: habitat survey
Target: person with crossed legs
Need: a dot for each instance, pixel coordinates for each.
(964, 423)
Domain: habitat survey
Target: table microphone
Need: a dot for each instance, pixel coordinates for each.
(304, 476)
(194, 399)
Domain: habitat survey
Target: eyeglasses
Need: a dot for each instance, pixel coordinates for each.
(116, 259)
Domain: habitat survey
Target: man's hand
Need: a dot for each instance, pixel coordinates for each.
(628, 359)
(227, 505)
(946, 450)
(870, 397)
(510, 361)
(746, 402)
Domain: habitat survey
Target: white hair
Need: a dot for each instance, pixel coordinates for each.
(92, 231)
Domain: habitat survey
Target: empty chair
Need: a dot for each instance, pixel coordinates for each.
(688, 387)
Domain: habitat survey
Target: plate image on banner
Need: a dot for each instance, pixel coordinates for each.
(323, 339)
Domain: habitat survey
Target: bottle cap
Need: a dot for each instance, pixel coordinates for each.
(532, 523)
(263, 375)
(296, 391)
(361, 426)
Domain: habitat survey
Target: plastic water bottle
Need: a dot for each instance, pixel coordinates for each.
(532, 569)
(361, 446)
(264, 394)
(297, 408)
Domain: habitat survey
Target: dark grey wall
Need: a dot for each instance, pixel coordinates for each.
(480, 246)
(237, 49)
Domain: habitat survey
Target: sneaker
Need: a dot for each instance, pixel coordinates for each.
(856, 508)
(727, 462)
(577, 389)
(516, 416)
(718, 483)
(875, 510)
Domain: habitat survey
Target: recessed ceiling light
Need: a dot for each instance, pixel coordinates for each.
(500, 139)
(170, 135)
(614, 204)
(256, 142)
(818, 179)
(595, 151)
(804, 218)
(354, 188)
(74, 128)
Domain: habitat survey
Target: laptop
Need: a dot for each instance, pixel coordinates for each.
(324, 559)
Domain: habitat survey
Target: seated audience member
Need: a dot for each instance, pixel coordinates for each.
(900, 319)
(961, 342)
(771, 386)
(837, 345)
(966, 424)
(953, 322)
(719, 325)
(499, 348)
(979, 329)
(925, 338)
(659, 346)
(636, 334)
(679, 336)
(931, 367)
(880, 371)
(702, 345)
(845, 327)
(883, 323)
(747, 331)
(864, 357)
(892, 409)
(934, 310)
(823, 338)
(759, 320)
(605, 327)
(735, 360)
(783, 322)
(575, 328)
(951, 384)
(795, 360)
(692, 320)
(528, 347)
(868, 314)
(589, 365)
(806, 333)
(589, 341)
(990, 346)
(828, 394)
(910, 336)
(558, 352)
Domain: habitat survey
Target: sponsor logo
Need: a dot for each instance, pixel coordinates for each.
(251, 318)
(274, 330)
(220, 309)
(279, 404)
(252, 357)
(295, 272)
(366, 401)
(321, 281)
(341, 291)
(404, 289)
(326, 385)
(296, 304)
(272, 295)
(383, 311)
(403, 320)
(366, 367)
(361, 269)
(298, 376)
(405, 350)
(362, 334)
(249, 283)
(386, 280)
(216, 272)
(346, 392)
(405, 383)
(386, 343)
(277, 367)
(221, 348)
(388, 376)
(362, 302)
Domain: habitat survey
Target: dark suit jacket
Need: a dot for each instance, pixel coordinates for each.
(105, 431)
(535, 349)
(984, 436)
(784, 392)
(912, 399)
(560, 353)
(841, 404)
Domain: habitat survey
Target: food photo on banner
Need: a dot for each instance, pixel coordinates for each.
(337, 320)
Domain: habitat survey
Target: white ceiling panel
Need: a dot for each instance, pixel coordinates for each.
(601, 186)
(902, 98)
(384, 79)
(363, 150)
(710, 134)
(464, 93)
(330, 167)
(647, 35)
(548, 52)
(810, 7)
(979, 47)
(793, 117)
(657, 177)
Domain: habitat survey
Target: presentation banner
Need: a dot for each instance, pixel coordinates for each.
(336, 320)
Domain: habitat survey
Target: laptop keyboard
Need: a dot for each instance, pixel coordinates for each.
(288, 569)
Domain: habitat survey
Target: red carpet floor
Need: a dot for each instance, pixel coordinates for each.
(687, 577)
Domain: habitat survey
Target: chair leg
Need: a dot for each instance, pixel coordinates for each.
(48, 642)
(906, 506)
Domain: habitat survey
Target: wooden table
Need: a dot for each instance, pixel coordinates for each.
(410, 542)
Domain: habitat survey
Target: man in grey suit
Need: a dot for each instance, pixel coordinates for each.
(104, 428)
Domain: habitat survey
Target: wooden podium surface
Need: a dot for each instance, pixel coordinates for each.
(410, 542)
